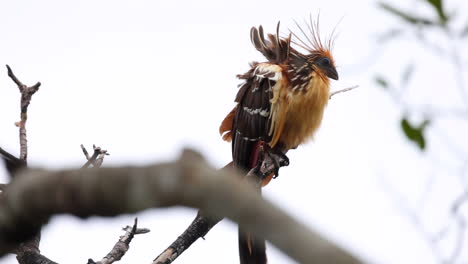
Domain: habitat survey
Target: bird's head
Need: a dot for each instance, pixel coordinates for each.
(318, 53)
(323, 63)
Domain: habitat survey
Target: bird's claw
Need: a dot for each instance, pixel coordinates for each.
(278, 159)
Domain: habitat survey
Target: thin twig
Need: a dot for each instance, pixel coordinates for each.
(7, 155)
(458, 68)
(343, 90)
(85, 152)
(122, 246)
(459, 241)
(457, 203)
(12, 163)
(100, 157)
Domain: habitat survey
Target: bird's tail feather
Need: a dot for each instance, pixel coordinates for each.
(251, 250)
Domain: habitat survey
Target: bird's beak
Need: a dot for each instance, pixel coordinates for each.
(332, 73)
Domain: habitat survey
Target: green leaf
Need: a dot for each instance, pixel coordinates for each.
(412, 19)
(381, 81)
(437, 5)
(415, 133)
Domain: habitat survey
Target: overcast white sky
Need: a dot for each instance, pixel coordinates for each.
(143, 79)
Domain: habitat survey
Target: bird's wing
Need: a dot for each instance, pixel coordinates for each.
(259, 115)
(275, 49)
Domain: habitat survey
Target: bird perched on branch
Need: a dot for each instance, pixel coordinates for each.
(279, 106)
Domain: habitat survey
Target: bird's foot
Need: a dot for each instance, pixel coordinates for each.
(272, 160)
(280, 160)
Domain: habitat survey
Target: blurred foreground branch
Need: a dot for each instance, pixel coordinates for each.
(36, 195)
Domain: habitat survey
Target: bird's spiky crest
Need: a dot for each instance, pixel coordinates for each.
(311, 40)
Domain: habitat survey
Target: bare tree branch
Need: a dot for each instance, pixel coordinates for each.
(198, 228)
(27, 252)
(31, 199)
(85, 152)
(100, 158)
(122, 246)
(97, 158)
(26, 96)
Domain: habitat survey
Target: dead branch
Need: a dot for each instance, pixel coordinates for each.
(100, 158)
(85, 152)
(343, 90)
(26, 96)
(27, 252)
(97, 158)
(122, 246)
(12, 163)
(33, 197)
(199, 227)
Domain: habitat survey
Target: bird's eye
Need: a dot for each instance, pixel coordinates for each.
(325, 61)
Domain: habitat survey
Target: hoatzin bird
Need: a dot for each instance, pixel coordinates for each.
(279, 106)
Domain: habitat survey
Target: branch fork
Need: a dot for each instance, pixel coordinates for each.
(96, 159)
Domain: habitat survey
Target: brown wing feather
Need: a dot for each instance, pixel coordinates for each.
(251, 117)
(260, 113)
(225, 130)
(276, 49)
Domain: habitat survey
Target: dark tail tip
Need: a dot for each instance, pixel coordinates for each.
(251, 250)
